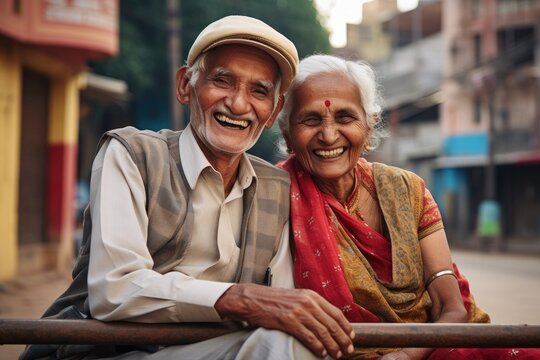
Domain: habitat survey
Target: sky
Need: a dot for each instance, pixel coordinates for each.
(340, 12)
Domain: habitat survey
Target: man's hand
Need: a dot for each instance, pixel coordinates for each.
(304, 314)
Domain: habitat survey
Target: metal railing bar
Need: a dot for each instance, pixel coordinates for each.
(54, 331)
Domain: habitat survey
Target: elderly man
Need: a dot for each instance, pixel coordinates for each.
(185, 226)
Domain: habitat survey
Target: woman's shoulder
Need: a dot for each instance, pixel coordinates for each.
(379, 169)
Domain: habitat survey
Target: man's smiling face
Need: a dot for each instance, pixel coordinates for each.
(233, 99)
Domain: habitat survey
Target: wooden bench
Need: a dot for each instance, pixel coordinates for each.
(46, 331)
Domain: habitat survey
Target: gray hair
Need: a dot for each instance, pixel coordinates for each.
(199, 66)
(360, 73)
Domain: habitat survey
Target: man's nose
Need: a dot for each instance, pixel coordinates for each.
(238, 101)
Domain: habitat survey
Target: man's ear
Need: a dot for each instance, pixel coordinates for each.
(277, 109)
(183, 88)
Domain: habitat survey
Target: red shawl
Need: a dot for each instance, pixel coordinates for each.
(320, 267)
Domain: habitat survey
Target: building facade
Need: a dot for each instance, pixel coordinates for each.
(406, 51)
(461, 86)
(490, 120)
(44, 46)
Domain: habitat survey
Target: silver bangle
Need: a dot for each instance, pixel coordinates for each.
(438, 275)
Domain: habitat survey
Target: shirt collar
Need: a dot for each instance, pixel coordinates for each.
(194, 161)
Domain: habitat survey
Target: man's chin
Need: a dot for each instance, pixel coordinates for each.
(231, 148)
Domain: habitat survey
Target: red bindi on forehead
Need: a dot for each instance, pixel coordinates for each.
(327, 103)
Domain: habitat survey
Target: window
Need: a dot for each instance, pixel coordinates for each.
(514, 6)
(477, 50)
(517, 45)
(477, 7)
(17, 6)
(477, 110)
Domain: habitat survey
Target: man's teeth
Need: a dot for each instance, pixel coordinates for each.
(330, 153)
(239, 123)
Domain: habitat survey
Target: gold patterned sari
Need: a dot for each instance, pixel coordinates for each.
(370, 277)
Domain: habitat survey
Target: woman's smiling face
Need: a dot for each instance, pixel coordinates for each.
(328, 128)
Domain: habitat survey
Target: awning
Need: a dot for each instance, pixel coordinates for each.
(102, 88)
(518, 157)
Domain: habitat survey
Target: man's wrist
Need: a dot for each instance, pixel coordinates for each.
(223, 303)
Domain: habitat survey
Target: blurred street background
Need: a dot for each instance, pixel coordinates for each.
(460, 81)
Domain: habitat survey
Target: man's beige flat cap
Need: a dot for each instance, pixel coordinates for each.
(245, 30)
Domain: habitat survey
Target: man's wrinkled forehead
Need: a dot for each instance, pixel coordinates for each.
(227, 60)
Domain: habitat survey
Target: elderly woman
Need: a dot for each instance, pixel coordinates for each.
(368, 237)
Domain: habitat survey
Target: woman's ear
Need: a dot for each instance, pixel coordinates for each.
(287, 139)
(183, 88)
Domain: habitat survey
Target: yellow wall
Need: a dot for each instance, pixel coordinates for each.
(10, 114)
(64, 113)
(63, 129)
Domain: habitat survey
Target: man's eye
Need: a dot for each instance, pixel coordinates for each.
(221, 81)
(261, 92)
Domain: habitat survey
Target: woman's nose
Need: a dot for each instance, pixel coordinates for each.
(329, 133)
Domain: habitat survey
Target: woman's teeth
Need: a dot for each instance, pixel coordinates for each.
(330, 153)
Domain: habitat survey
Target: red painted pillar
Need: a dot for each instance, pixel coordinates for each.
(63, 137)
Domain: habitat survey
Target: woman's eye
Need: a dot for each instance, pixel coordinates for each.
(311, 121)
(345, 118)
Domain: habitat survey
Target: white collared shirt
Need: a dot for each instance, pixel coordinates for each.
(206, 259)
(121, 282)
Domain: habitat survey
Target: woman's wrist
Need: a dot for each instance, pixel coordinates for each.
(418, 353)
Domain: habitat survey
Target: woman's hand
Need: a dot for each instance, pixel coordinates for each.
(447, 305)
(396, 355)
(408, 354)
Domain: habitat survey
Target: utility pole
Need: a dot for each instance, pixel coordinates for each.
(489, 53)
(489, 217)
(175, 53)
(537, 66)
